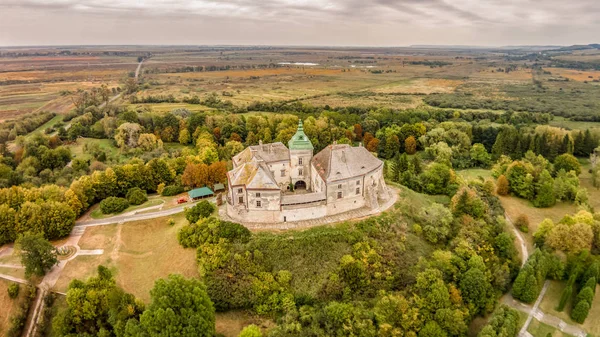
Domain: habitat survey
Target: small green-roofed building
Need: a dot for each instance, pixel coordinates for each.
(200, 193)
(300, 141)
(219, 187)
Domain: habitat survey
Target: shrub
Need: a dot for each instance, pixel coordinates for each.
(522, 223)
(586, 294)
(580, 312)
(172, 190)
(136, 196)
(171, 222)
(251, 331)
(566, 295)
(200, 211)
(502, 185)
(13, 290)
(113, 205)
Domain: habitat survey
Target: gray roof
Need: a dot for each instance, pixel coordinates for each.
(269, 153)
(339, 162)
(253, 175)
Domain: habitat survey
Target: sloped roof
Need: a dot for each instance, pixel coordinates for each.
(253, 175)
(200, 192)
(339, 162)
(269, 153)
(300, 141)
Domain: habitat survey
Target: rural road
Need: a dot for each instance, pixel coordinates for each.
(134, 217)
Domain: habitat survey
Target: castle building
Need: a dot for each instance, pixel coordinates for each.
(274, 183)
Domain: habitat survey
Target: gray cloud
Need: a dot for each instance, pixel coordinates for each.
(335, 22)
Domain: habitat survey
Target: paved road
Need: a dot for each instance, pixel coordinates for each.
(134, 217)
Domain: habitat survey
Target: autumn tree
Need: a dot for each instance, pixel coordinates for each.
(410, 145)
(502, 185)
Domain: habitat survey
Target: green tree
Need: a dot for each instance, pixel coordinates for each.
(38, 255)
(432, 329)
(567, 162)
(580, 312)
(479, 155)
(136, 196)
(545, 191)
(200, 211)
(179, 307)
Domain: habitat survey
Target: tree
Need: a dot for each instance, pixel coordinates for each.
(522, 223)
(136, 196)
(545, 191)
(251, 331)
(580, 312)
(567, 162)
(479, 155)
(127, 135)
(38, 255)
(200, 211)
(502, 185)
(432, 329)
(410, 145)
(180, 307)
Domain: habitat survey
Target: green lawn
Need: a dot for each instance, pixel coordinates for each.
(97, 214)
(475, 173)
(539, 329)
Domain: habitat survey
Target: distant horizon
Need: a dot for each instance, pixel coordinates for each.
(298, 45)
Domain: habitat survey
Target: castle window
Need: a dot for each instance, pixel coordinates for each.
(299, 161)
(340, 186)
(240, 190)
(258, 195)
(339, 196)
(258, 203)
(357, 190)
(283, 173)
(300, 172)
(241, 200)
(357, 182)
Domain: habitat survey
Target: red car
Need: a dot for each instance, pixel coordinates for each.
(182, 200)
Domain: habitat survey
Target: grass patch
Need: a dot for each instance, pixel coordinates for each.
(475, 173)
(539, 329)
(231, 323)
(77, 149)
(550, 302)
(7, 304)
(138, 253)
(14, 272)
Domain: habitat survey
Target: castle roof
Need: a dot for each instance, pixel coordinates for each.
(339, 162)
(300, 140)
(253, 175)
(269, 153)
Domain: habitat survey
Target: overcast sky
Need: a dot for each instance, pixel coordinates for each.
(300, 22)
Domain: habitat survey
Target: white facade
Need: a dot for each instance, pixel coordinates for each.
(338, 179)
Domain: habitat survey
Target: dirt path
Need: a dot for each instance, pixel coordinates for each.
(114, 255)
(524, 250)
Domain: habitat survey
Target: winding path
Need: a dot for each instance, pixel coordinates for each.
(535, 311)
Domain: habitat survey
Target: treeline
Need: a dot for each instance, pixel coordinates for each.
(432, 64)
(11, 129)
(207, 68)
(365, 278)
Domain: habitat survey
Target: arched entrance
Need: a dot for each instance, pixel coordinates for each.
(300, 185)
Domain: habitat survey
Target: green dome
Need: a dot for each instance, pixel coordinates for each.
(300, 141)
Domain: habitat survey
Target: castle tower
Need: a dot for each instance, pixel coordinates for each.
(301, 153)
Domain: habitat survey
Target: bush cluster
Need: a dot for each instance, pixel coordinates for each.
(112, 205)
(136, 196)
(172, 190)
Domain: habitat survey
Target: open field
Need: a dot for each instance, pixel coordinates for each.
(550, 302)
(138, 253)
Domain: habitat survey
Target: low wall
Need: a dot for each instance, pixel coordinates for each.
(292, 213)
